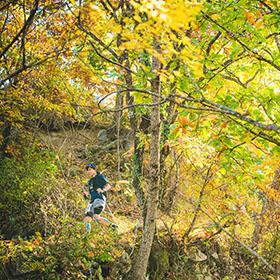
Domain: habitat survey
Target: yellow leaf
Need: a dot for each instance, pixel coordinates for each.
(121, 182)
(117, 29)
(216, 16)
(259, 25)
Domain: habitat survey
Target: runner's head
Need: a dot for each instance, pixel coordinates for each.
(91, 169)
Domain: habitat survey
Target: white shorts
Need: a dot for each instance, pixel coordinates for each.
(96, 207)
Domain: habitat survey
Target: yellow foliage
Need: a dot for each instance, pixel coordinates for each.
(122, 182)
(259, 25)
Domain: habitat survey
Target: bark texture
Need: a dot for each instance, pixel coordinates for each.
(141, 262)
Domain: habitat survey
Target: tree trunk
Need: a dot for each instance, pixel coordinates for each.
(276, 179)
(139, 267)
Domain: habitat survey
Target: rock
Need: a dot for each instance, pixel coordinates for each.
(102, 135)
(215, 255)
(198, 256)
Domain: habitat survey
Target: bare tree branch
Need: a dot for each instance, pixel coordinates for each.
(95, 38)
(250, 250)
(24, 28)
(216, 37)
(112, 11)
(23, 68)
(198, 206)
(266, 5)
(109, 60)
(211, 106)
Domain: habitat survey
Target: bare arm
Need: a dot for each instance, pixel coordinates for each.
(105, 189)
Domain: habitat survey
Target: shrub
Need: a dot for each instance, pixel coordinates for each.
(33, 195)
(70, 253)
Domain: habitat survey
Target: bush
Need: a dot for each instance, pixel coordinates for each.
(69, 254)
(33, 196)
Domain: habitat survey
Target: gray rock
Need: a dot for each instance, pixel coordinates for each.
(102, 135)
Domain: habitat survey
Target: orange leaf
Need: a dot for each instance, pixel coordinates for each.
(250, 17)
(36, 242)
(224, 125)
(182, 120)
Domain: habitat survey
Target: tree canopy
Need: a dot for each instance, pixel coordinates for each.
(196, 84)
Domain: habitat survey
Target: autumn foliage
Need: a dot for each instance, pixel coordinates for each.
(202, 76)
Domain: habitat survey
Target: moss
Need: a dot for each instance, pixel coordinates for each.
(159, 262)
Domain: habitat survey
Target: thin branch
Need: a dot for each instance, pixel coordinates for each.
(228, 111)
(5, 22)
(24, 28)
(112, 11)
(217, 108)
(234, 79)
(265, 110)
(130, 106)
(7, 5)
(226, 65)
(234, 37)
(242, 143)
(22, 47)
(22, 69)
(266, 5)
(251, 79)
(254, 253)
(198, 207)
(237, 79)
(94, 37)
(109, 60)
(272, 35)
(195, 108)
(258, 134)
(216, 37)
(194, 83)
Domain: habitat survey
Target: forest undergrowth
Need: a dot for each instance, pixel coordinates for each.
(43, 236)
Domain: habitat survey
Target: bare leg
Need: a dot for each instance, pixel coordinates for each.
(87, 221)
(102, 220)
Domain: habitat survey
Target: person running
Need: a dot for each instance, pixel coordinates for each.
(97, 186)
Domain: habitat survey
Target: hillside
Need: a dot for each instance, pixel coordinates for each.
(53, 241)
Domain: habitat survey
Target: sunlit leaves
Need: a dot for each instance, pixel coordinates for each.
(48, 37)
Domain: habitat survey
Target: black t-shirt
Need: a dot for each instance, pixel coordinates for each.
(96, 182)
